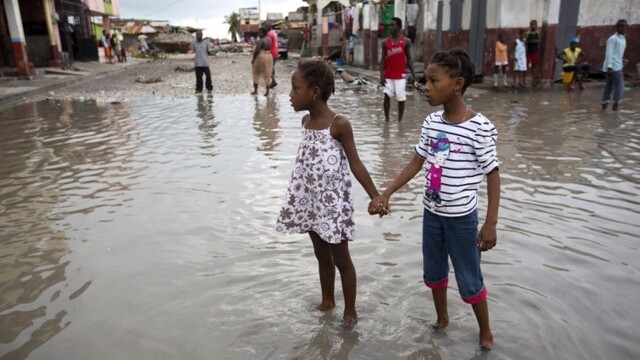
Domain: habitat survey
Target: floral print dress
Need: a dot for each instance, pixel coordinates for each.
(319, 197)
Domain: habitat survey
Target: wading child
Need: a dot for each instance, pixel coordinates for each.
(459, 146)
(319, 199)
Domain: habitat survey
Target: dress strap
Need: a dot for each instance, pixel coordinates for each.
(332, 120)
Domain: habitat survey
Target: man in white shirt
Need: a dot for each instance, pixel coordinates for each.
(201, 49)
(612, 66)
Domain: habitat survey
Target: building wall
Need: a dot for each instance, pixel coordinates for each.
(596, 22)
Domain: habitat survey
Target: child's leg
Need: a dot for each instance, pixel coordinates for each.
(481, 310)
(440, 302)
(435, 265)
(461, 234)
(342, 260)
(327, 270)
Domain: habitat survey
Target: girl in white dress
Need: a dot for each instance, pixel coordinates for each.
(520, 59)
(319, 200)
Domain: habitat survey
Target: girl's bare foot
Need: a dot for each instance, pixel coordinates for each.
(486, 340)
(350, 319)
(440, 324)
(326, 305)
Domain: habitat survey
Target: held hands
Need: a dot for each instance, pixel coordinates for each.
(488, 237)
(379, 205)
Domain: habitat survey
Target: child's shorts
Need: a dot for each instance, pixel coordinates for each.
(396, 88)
(455, 237)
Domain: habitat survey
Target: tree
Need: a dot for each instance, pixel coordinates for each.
(234, 25)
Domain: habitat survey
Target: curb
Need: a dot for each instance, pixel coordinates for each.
(13, 99)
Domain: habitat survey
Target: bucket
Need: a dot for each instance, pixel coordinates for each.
(566, 77)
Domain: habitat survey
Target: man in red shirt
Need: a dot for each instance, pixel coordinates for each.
(275, 52)
(396, 56)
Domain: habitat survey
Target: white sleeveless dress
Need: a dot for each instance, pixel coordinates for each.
(319, 197)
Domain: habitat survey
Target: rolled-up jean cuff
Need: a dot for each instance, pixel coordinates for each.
(438, 285)
(476, 298)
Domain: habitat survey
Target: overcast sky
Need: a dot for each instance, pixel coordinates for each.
(201, 13)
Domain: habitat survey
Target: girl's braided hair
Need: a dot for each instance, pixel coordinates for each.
(318, 73)
(457, 64)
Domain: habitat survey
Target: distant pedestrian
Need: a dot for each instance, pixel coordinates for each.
(275, 52)
(396, 57)
(501, 60)
(533, 51)
(520, 59)
(142, 44)
(305, 36)
(201, 49)
(574, 65)
(612, 66)
(262, 62)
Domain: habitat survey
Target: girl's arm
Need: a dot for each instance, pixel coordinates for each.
(380, 205)
(488, 236)
(344, 134)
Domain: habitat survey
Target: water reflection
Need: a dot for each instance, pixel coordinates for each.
(54, 157)
(266, 123)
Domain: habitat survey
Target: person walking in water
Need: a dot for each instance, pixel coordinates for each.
(262, 62)
(459, 146)
(201, 61)
(319, 199)
(612, 66)
(396, 56)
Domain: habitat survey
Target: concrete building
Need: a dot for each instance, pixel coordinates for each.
(49, 32)
(249, 23)
(473, 25)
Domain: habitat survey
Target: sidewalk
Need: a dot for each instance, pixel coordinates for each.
(14, 90)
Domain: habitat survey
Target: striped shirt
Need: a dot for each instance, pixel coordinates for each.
(458, 156)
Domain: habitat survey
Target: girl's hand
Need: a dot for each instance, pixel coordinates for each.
(488, 237)
(379, 205)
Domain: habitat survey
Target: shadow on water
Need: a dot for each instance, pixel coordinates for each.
(144, 229)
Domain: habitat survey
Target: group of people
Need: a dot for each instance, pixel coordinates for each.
(457, 143)
(263, 62)
(112, 45)
(574, 66)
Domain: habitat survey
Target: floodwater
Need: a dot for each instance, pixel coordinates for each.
(144, 230)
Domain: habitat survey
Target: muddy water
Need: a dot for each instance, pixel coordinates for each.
(144, 230)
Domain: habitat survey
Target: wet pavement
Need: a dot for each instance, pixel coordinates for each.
(142, 228)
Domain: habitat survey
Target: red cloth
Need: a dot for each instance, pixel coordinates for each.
(395, 61)
(275, 53)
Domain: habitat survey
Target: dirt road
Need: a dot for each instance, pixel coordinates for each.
(172, 77)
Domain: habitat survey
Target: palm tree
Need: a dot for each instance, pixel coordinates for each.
(234, 25)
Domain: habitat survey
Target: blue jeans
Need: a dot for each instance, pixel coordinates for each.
(455, 237)
(615, 83)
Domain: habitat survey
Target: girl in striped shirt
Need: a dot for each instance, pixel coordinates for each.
(459, 146)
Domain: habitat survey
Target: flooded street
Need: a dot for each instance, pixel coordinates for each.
(144, 229)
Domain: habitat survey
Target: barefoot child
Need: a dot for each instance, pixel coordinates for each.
(459, 145)
(319, 200)
(501, 61)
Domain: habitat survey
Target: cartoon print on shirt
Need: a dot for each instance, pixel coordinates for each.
(440, 150)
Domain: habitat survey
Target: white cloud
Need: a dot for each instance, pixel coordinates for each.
(202, 14)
